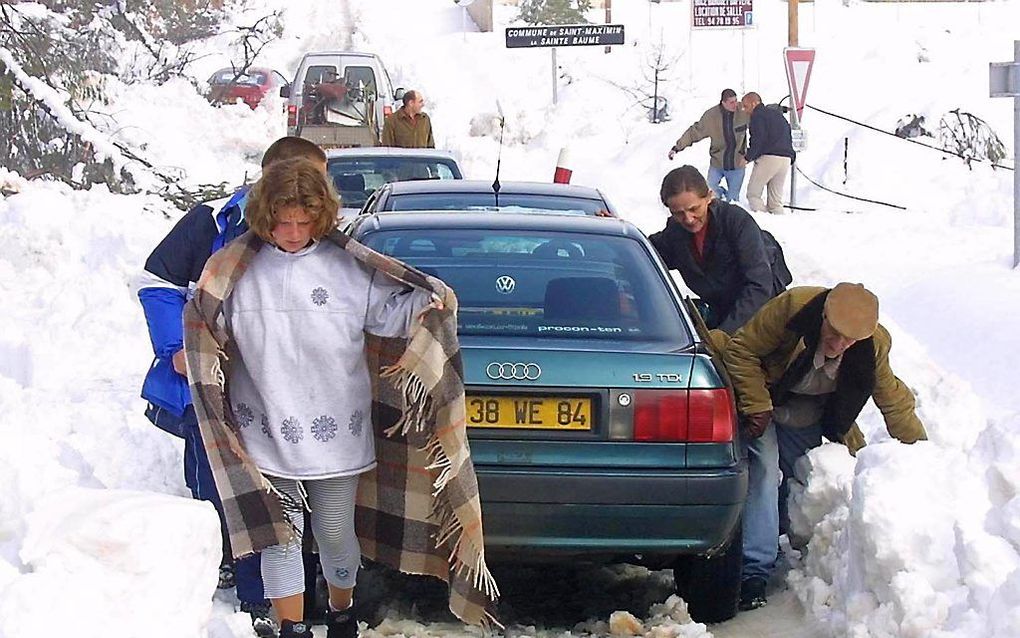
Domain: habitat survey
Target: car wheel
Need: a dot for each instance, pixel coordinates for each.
(711, 586)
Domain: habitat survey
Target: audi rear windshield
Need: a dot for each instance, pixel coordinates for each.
(541, 284)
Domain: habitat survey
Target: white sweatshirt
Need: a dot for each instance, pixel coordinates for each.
(301, 392)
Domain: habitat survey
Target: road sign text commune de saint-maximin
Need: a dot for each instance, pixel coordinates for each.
(567, 35)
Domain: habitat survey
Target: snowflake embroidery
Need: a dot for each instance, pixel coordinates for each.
(244, 415)
(265, 427)
(291, 430)
(324, 428)
(320, 296)
(357, 419)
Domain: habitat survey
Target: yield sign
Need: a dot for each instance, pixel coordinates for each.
(798, 74)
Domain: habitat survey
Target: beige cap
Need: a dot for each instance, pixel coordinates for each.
(852, 310)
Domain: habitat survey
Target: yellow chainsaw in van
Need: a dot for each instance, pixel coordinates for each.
(339, 99)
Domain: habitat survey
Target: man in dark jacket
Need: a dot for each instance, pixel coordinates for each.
(721, 253)
(772, 152)
(171, 273)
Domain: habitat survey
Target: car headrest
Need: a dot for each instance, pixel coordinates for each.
(412, 171)
(350, 182)
(582, 299)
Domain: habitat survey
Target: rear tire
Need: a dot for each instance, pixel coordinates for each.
(711, 586)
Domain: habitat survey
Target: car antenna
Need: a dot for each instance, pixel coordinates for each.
(499, 154)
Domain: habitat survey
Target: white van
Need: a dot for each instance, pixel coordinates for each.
(340, 98)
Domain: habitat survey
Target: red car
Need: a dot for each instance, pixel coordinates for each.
(229, 86)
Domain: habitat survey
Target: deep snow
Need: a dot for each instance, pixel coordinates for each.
(919, 540)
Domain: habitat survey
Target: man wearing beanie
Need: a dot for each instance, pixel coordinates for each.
(803, 367)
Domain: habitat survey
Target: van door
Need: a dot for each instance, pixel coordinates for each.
(358, 75)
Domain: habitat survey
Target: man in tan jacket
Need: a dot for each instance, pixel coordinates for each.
(803, 367)
(726, 125)
(409, 127)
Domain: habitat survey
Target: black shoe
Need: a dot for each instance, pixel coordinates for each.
(226, 580)
(291, 629)
(261, 619)
(752, 594)
(341, 624)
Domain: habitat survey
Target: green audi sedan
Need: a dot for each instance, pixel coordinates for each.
(601, 429)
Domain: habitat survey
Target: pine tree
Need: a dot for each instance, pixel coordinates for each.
(554, 11)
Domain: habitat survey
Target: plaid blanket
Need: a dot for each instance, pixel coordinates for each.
(419, 510)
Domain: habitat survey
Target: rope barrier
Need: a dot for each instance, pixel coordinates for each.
(906, 139)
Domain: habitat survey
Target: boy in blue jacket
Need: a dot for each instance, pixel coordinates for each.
(171, 273)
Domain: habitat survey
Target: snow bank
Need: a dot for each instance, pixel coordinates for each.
(110, 562)
(73, 346)
(903, 541)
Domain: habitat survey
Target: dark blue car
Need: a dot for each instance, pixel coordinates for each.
(601, 429)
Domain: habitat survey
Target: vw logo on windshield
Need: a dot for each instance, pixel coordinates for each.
(513, 371)
(506, 284)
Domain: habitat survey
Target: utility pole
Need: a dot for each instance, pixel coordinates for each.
(793, 39)
(609, 19)
(792, 6)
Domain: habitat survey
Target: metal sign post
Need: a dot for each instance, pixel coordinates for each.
(555, 77)
(1004, 81)
(798, 75)
(463, 4)
(568, 35)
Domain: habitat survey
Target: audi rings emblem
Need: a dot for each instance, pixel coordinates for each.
(505, 284)
(513, 371)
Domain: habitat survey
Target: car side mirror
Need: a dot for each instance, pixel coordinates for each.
(399, 94)
(285, 90)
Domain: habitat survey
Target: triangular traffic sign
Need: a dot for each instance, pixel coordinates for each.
(798, 75)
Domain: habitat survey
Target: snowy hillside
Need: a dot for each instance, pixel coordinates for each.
(919, 540)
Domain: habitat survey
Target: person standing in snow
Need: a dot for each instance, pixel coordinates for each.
(296, 311)
(726, 125)
(772, 152)
(409, 127)
(170, 276)
(723, 256)
(803, 367)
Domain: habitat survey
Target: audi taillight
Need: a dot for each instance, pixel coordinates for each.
(692, 416)
(387, 110)
(291, 115)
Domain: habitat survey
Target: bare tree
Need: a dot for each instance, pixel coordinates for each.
(970, 137)
(657, 70)
(250, 40)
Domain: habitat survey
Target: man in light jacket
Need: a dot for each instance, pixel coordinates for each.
(726, 125)
(803, 367)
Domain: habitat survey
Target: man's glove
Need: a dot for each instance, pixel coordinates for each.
(756, 423)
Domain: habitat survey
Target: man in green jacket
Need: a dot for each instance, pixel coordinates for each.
(726, 125)
(409, 127)
(803, 367)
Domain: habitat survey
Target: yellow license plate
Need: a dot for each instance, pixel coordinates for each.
(529, 413)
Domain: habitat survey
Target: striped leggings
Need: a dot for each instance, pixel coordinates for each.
(332, 514)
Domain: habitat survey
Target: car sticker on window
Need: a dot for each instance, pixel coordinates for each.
(580, 329)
